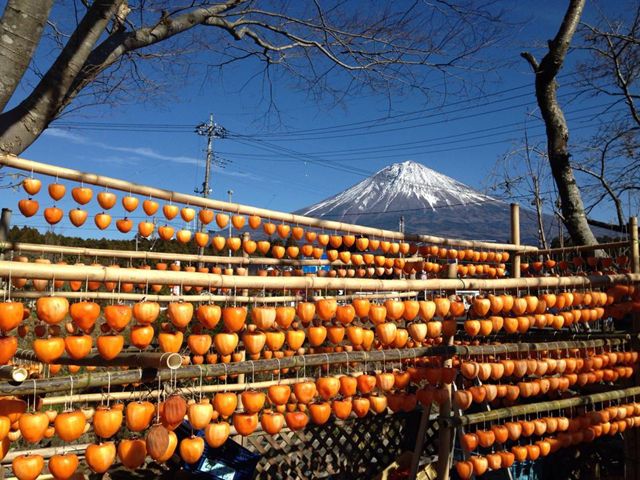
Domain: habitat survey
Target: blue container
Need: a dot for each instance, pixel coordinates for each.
(231, 461)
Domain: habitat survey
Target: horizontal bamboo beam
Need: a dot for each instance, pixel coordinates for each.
(132, 275)
(519, 410)
(130, 187)
(534, 347)
(101, 379)
(47, 452)
(236, 387)
(145, 255)
(582, 248)
(14, 373)
(171, 361)
(135, 297)
(131, 395)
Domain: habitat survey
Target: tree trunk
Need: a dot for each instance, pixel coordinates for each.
(22, 125)
(557, 131)
(21, 27)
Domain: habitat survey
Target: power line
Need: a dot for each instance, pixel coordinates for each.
(368, 151)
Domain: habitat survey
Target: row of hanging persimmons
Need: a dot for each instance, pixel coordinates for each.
(293, 405)
(396, 323)
(107, 200)
(531, 439)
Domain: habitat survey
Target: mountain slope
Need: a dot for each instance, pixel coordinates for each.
(430, 202)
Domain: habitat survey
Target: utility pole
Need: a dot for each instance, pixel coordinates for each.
(210, 130)
(401, 224)
(230, 194)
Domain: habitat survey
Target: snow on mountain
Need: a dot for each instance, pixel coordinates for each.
(430, 202)
(406, 184)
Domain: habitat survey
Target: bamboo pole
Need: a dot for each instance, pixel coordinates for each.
(138, 394)
(14, 373)
(132, 275)
(515, 239)
(101, 379)
(171, 361)
(633, 245)
(519, 410)
(47, 452)
(445, 433)
(534, 347)
(582, 248)
(632, 439)
(129, 187)
(136, 297)
(145, 255)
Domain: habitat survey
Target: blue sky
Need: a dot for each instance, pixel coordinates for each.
(462, 136)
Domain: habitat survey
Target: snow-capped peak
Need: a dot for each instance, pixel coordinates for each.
(402, 185)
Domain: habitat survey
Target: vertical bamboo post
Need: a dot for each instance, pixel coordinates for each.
(243, 354)
(445, 433)
(5, 223)
(515, 239)
(633, 245)
(632, 438)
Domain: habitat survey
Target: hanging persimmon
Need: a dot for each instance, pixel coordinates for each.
(222, 220)
(31, 185)
(107, 421)
(320, 412)
(27, 467)
(84, 314)
(82, 195)
(130, 203)
(187, 213)
(100, 457)
(52, 215)
(33, 426)
(63, 466)
(69, 426)
(183, 236)
(110, 346)
(205, 216)
(11, 315)
(217, 433)
(145, 229)
(245, 423)
(150, 207)
(141, 336)
(102, 220)
(200, 414)
(225, 343)
(165, 232)
(78, 346)
(254, 221)
(124, 225)
(132, 452)
(28, 207)
(272, 422)
(170, 342)
(107, 200)
(234, 318)
(269, 228)
(238, 221)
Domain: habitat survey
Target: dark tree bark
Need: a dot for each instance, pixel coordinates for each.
(304, 39)
(557, 130)
(21, 27)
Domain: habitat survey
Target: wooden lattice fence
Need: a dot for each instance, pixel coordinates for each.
(353, 449)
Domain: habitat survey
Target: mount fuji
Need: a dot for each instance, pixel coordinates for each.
(430, 202)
